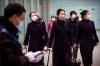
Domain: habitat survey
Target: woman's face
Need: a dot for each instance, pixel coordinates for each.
(33, 14)
(53, 19)
(87, 16)
(61, 15)
(34, 17)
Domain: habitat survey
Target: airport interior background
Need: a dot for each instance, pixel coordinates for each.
(46, 8)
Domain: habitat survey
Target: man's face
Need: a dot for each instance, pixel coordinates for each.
(18, 19)
(22, 17)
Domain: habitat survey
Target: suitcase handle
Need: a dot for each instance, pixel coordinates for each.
(48, 57)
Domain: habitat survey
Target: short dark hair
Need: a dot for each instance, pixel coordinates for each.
(13, 8)
(59, 10)
(73, 12)
(84, 12)
(53, 16)
(31, 13)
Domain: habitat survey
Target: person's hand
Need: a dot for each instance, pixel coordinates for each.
(75, 45)
(35, 57)
(23, 46)
(38, 58)
(30, 56)
(39, 55)
(45, 48)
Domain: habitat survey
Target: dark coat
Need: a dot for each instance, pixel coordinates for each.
(10, 49)
(86, 37)
(60, 31)
(42, 21)
(36, 36)
(73, 27)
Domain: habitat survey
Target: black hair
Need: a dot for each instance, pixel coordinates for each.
(73, 12)
(59, 10)
(31, 13)
(53, 16)
(84, 12)
(13, 8)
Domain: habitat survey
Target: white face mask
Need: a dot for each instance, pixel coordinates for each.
(19, 23)
(53, 19)
(73, 16)
(62, 17)
(34, 18)
(88, 16)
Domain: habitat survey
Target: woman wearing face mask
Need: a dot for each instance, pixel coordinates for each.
(53, 18)
(73, 20)
(86, 37)
(34, 36)
(60, 31)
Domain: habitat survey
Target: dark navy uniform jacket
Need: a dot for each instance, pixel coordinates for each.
(60, 32)
(73, 27)
(87, 38)
(10, 49)
(36, 36)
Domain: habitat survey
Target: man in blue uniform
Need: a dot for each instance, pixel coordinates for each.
(10, 49)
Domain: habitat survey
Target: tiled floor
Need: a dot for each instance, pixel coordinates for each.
(96, 55)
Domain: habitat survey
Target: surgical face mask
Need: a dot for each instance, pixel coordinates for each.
(53, 19)
(34, 18)
(62, 17)
(88, 16)
(19, 24)
(73, 16)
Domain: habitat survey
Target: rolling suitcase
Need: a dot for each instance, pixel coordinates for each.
(75, 61)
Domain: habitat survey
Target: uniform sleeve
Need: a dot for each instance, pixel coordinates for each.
(50, 40)
(45, 34)
(69, 34)
(8, 52)
(43, 23)
(95, 34)
(78, 33)
(26, 40)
